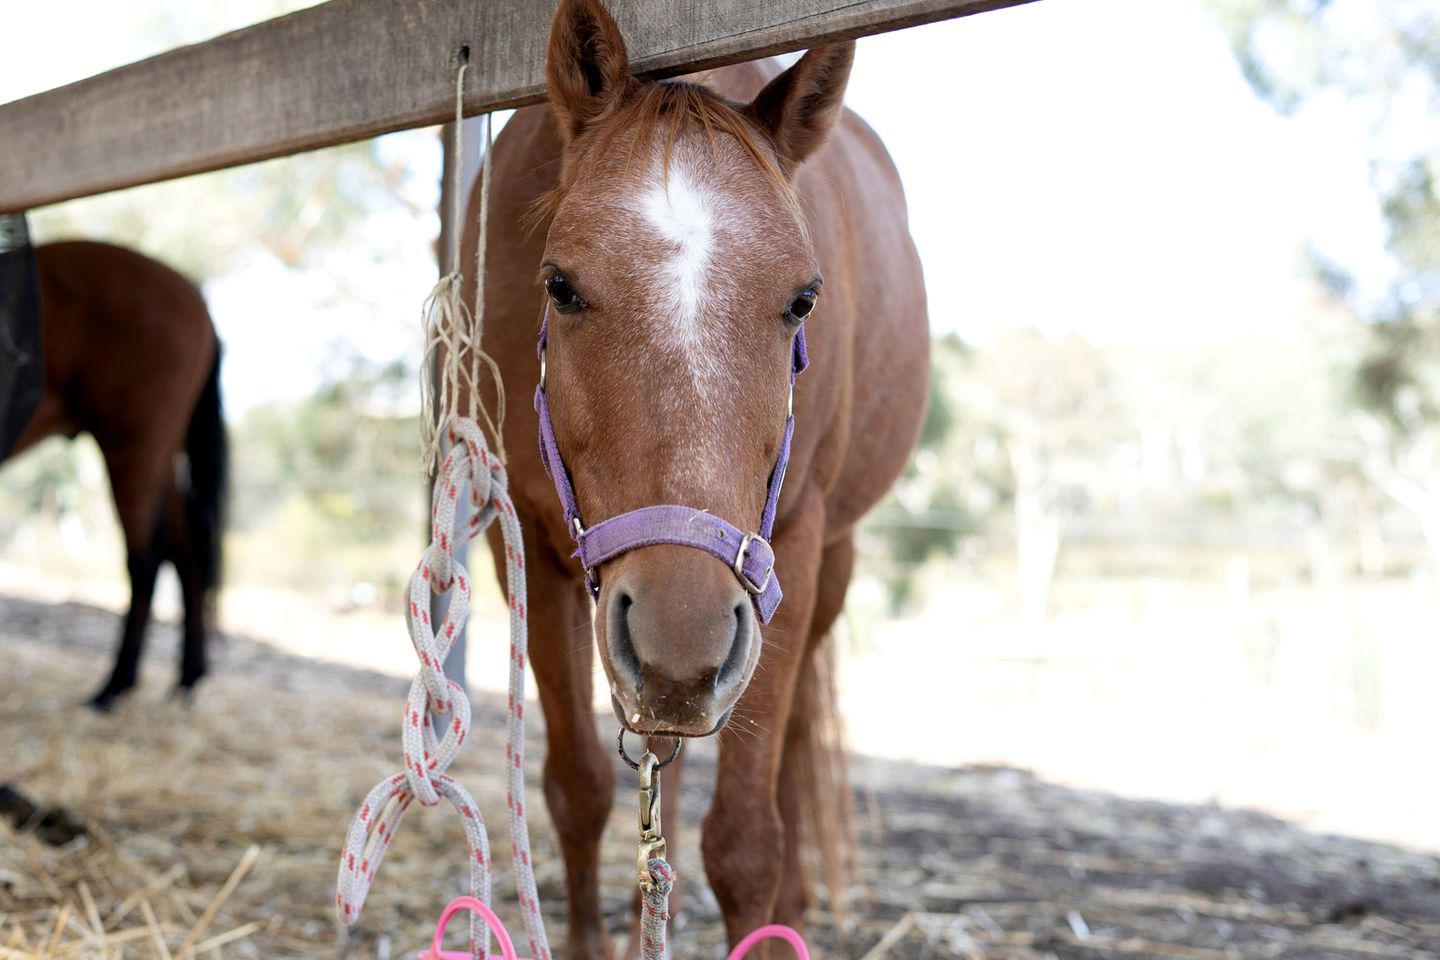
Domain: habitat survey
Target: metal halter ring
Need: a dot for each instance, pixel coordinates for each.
(739, 567)
(635, 764)
(592, 578)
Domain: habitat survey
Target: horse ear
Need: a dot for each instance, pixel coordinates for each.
(799, 107)
(586, 66)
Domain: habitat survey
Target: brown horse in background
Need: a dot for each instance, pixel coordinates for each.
(131, 357)
(684, 231)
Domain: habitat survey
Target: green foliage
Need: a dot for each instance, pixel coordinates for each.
(1291, 50)
(331, 484)
(1399, 377)
(295, 208)
(926, 516)
(1384, 57)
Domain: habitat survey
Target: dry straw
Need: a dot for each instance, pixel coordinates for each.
(202, 840)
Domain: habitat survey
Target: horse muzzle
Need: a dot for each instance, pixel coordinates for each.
(679, 638)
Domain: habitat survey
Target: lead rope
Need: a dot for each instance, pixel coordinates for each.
(452, 331)
(657, 877)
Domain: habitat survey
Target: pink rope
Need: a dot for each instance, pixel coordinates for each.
(774, 931)
(507, 948)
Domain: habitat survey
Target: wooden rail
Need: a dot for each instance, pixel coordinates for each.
(351, 69)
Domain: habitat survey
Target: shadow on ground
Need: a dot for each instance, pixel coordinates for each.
(970, 862)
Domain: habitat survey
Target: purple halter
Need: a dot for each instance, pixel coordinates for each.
(749, 555)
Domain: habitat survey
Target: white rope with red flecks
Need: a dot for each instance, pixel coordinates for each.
(655, 910)
(455, 521)
(427, 756)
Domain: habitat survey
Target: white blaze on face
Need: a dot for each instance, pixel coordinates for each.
(684, 214)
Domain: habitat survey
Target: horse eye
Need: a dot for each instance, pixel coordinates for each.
(563, 295)
(801, 306)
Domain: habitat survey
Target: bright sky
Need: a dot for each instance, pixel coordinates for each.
(1089, 165)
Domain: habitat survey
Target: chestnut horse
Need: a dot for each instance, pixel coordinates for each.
(131, 357)
(673, 239)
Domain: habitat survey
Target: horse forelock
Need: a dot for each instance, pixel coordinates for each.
(664, 114)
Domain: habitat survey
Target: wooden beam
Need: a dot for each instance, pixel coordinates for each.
(351, 69)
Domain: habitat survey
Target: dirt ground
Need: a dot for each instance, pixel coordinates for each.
(213, 831)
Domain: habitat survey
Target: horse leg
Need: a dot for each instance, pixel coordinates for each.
(743, 836)
(134, 484)
(143, 565)
(181, 555)
(801, 767)
(578, 776)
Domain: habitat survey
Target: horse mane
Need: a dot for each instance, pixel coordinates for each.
(671, 108)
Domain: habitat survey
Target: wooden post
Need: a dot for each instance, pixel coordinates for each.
(450, 227)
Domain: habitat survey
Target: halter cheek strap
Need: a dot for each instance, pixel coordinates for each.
(749, 555)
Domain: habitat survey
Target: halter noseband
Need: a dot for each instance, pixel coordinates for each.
(749, 555)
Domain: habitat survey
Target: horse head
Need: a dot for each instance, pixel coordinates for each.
(678, 275)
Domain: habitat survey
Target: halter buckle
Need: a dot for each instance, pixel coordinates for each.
(739, 566)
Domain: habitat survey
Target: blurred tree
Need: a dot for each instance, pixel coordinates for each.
(333, 475)
(1054, 410)
(946, 486)
(1383, 58)
(295, 208)
(337, 467)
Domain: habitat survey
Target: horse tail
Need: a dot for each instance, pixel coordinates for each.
(207, 449)
(818, 752)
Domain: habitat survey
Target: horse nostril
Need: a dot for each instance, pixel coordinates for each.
(734, 664)
(623, 658)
